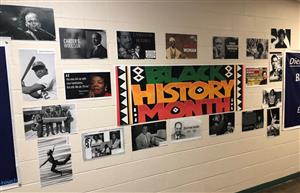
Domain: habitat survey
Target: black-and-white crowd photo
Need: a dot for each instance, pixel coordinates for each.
(273, 122)
(84, 85)
(275, 67)
(185, 128)
(225, 47)
(220, 124)
(55, 160)
(257, 48)
(280, 38)
(48, 121)
(102, 143)
(38, 79)
(27, 23)
(272, 97)
(148, 135)
(136, 45)
(82, 43)
(252, 120)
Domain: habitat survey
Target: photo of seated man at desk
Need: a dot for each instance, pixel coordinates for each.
(148, 135)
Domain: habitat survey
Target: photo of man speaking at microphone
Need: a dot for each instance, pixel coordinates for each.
(27, 23)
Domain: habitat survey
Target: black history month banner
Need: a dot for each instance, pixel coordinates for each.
(8, 169)
(165, 92)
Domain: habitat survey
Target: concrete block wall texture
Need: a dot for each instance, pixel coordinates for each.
(226, 163)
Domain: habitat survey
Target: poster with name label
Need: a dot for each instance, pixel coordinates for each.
(292, 90)
(8, 168)
(166, 92)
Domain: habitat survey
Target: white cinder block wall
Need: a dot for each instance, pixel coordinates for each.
(226, 163)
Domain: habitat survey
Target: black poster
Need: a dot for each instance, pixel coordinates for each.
(225, 48)
(136, 45)
(82, 43)
(8, 170)
(27, 23)
(80, 85)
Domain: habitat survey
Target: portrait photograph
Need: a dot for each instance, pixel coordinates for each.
(55, 162)
(257, 48)
(136, 45)
(27, 23)
(221, 124)
(38, 68)
(49, 121)
(102, 143)
(280, 38)
(252, 120)
(273, 122)
(275, 67)
(184, 129)
(272, 97)
(82, 43)
(148, 135)
(225, 47)
(181, 46)
(87, 85)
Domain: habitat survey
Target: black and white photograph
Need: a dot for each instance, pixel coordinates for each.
(275, 67)
(82, 43)
(102, 143)
(87, 85)
(38, 74)
(273, 122)
(27, 23)
(225, 47)
(184, 129)
(148, 135)
(221, 124)
(252, 120)
(272, 97)
(49, 121)
(257, 48)
(180, 46)
(136, 45)
(55, 160)
(280, 38)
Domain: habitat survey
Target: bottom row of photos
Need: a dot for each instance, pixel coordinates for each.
(55, 153)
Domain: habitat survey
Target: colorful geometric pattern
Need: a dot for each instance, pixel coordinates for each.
(122, 95)
(239, 88)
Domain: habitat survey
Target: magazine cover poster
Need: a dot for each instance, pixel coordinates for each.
(27, 23)
(280, 38)
(225, 48)
(272, 97)
(256, 76)
(102, 143)
(252, 120)
(49, 121)
(184, 129)
(37, 68)
(273, 122)
(83, 85)
(136, 45)
(257, 48)
(275, 67)
(221, 124)
(181, 46)
(54, 160)
(148, 135)
(82, 43)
